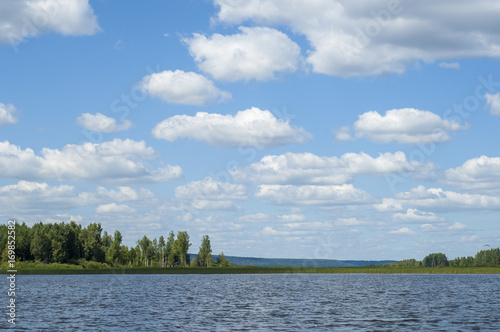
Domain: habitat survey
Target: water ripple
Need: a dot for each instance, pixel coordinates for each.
(258, 302)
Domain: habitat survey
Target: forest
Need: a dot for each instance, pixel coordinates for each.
(91, 247)
(70, 243)
(483, 258)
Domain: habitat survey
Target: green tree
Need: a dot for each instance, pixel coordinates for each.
(59, 242)
(24, 236)
(489, 257)
(182, 245)
(132, 256)
(146, 250)
(169, 250)
(161, 249)
(205, 252)
(155, 252)
(222, 261)
(123, 257)
(41, 247)
(115, 249)
(194, 262)
(91, 240)
(74, 245)
(3, 238)
(107, 240)
(437, 259)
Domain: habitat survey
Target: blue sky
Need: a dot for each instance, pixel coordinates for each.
(294, 129)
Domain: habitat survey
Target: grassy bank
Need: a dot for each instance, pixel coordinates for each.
(260, 270)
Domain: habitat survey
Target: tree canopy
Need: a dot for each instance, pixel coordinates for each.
(71, 243)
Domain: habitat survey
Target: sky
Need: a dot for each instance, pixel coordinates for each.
(325, 129)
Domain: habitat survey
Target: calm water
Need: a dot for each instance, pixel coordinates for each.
(360, 302)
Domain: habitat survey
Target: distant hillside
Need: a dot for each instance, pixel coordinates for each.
(291, 262)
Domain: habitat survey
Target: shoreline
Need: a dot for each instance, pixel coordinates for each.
(265, 270)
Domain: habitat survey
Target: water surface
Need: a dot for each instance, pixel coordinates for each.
(290, 302)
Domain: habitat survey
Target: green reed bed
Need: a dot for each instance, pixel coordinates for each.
(68, 269)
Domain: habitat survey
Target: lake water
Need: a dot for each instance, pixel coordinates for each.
(291, 302)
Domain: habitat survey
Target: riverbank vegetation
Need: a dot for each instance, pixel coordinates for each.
(69, 245)
(484, 258)
(69, 248)
(72, 269)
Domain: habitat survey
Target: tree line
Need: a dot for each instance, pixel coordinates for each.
(70, 243)
(483, 258)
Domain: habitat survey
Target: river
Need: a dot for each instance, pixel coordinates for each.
(284, 302)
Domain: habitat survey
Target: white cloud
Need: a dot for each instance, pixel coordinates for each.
(351, 38)
(211, 190)
(407, 125)
(428, 227)
(312, 195)
(449, 65)
(404, 230)
(457, 226)
(470, 238)
(255, 53)
(181, 87)
(28, 197)
(269, 231)
(307, 168)
(118, 162)
(437, 199)
(493, 102)
(63, 217)
(343, 134)
(27, 18)
(209, 194)
(388, 205)
(7, 113)
(251, 127)
(352, 222)
(416, 215)
(101, 123)
(114, 208)
(478, 174)
(268, 218)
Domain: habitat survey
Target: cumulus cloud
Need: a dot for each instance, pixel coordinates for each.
(307, 168)
(312, 195)
(403, 230)
(493, 102)
(457, 226)
(181, 87)
(276, 218)
(209, 194)
(470, 238)
(251, 127)
(101, 123)
(118, 162)
(343, 134)
(351, 38)
(406, 125)
(114, 208)
(480, 174)
(255, 53)
(352, 222)
(7, 114)
(28, 18)
(437, 199)
(418, 216)
(30, 197)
